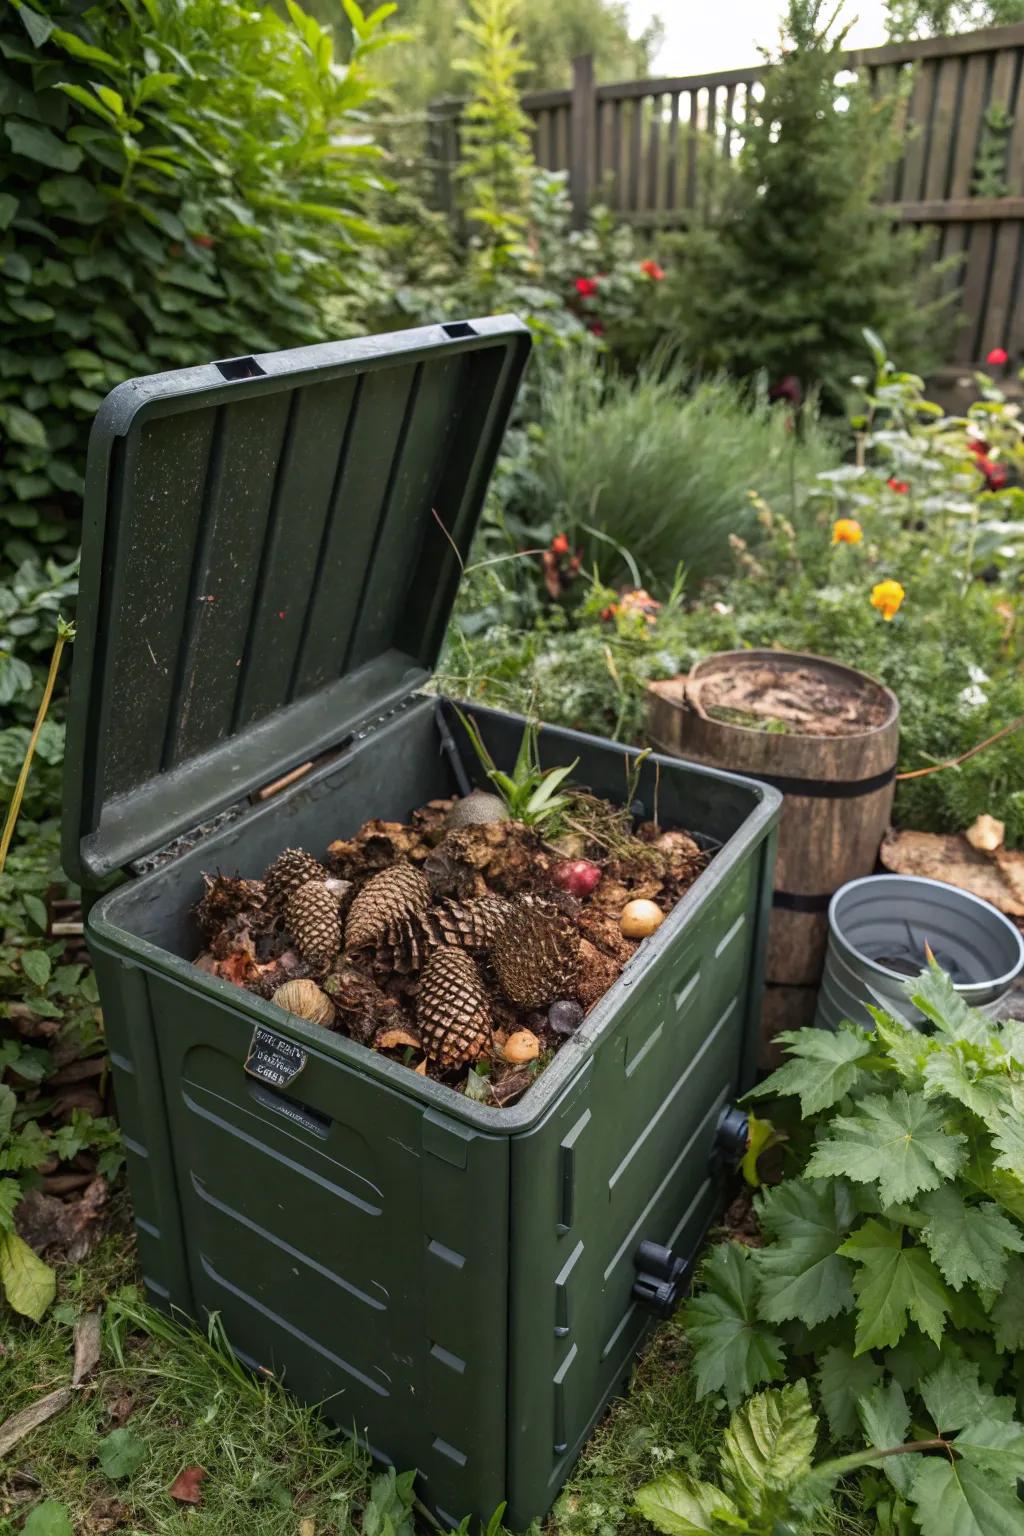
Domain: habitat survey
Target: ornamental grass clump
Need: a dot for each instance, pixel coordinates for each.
(649, 472)
(892, 1265)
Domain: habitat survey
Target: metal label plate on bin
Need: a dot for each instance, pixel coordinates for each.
(273, 1059)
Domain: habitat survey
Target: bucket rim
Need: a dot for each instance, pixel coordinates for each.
(965, 989)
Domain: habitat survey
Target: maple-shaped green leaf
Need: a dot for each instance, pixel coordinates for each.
(893, 1284)
(1008, 1139)
(913, 1357)
(801, 1274)
(734, 1351)
(843, 1378)
(823, 1069)
(934, 995)
(949, 1071)
(1008, 1310)
(769, 1444)
(954, 1394)
(975, 1494)
(906, 1049)
(885, 1418)
(896, 1141)
(970, 1244)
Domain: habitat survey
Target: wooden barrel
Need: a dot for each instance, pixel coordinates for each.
(828, 737)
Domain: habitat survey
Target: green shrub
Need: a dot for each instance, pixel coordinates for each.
(180, 181)
(893, 1259)
(663, 471)
(799, 254)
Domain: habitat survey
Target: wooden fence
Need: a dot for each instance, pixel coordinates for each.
(641, 147)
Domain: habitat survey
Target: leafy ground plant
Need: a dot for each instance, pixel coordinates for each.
(893, 1260)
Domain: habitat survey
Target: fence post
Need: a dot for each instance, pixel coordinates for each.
(442, 141)
(583, 126)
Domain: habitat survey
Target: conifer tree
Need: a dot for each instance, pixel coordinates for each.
(798, 257)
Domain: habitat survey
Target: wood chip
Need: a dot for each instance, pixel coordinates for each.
(986, 834)
(21, 1424)
(87, 1347)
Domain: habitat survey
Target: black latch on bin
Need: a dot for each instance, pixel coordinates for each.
(660, 1281)
(731, 1137)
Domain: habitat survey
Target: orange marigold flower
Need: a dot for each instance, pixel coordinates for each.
(560, 544)
(652, 270)
(887, 597)
(846, 530)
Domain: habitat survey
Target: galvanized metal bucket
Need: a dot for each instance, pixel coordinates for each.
(878, 930)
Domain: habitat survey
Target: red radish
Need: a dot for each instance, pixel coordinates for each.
(577, 876)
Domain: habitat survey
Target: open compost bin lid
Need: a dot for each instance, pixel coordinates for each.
(271, 551)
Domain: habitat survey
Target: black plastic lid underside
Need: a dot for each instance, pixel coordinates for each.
(269, 557)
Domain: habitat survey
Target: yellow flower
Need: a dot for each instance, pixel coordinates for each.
(887, 597)
(847, 530)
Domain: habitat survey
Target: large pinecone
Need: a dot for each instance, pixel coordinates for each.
(536, 956)
(385, 906)
(224, 899)
(312, 919)
(289, 870)
(473, 925)
(452, 1013)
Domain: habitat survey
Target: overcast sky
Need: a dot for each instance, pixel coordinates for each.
(703, 35)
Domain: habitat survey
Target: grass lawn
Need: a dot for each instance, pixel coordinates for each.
(177, 1399)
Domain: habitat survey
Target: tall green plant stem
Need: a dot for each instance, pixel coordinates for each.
(65, 632)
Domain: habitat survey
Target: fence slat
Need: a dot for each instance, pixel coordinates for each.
(969, 124)
(940, 127)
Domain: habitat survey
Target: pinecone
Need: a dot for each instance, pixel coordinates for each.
(452, 1013)
(312, 920)
(536, 956)
(224, 899)
(289, 870)
(385, 905)
(473, 925)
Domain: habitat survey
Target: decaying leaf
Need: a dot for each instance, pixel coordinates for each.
(20, 1424)
(185, 1488)
(394, 1039)
(87, 1347)
(71, 1226)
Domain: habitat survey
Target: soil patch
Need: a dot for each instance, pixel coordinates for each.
(789, 699)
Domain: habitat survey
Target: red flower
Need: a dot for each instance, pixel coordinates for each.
(651, 269)
(977, 445)
(998, 356)
(560, 544)
(787, 388)
(995, 474)
(206, 241)
(899, 486)
(596, 328)
(586, 287)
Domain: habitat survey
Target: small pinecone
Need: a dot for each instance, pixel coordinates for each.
(385, 905)
(224, 899)
(289, 870)
(313, 922)
(536, 957)
(473, 925)
(452, 1014)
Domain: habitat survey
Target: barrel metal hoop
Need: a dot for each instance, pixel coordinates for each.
(827, 789)
(792, 901)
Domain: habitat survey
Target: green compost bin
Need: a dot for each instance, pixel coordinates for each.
(272, 548)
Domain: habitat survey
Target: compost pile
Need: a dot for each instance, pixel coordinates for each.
(462, 943)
